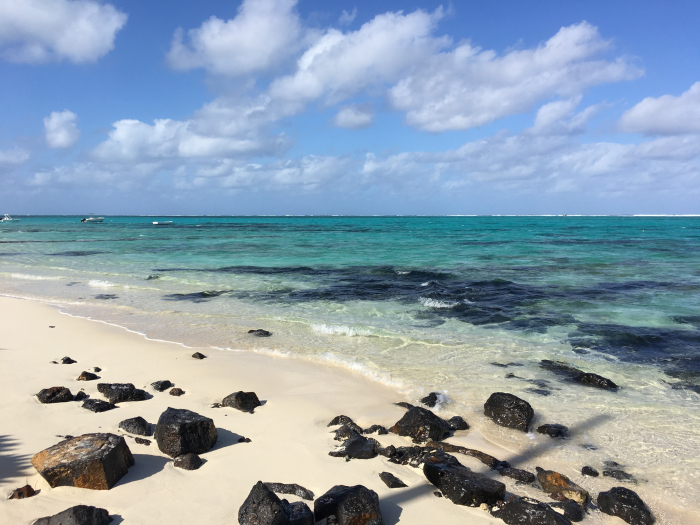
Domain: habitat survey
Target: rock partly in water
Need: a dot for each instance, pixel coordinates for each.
(259, 332)
(68, 361)
(595, 380)
(177, 392)
(189, 461)
(264, 507)
(486, 459)
(554, 430)
(357, 447)
(403, 404)
(23, 492)
(572, 510)
(55, 394)
(434, 398)
(458, 423)
(121, 392)
(78, 515)
(421, 425)
(90, 461)
(528, 511)
(462, 486)
(619, 475)
(181, 431)
(290, 488)
(87, 376)
(136, 425)
(199, 355)
(243, 401)
(97, 405)
(160, 386)
(356, 505)
(625, 504)
(589, 471)
(391, 481)
(509, 411)
(517, 474)
(555, 483)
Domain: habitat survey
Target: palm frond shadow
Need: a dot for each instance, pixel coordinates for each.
(12, 465)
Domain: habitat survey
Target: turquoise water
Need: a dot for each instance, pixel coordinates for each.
(421, 303)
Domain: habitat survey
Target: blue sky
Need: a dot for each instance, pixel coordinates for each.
(310, 107)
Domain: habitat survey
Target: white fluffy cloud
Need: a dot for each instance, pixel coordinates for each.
(261, 35)
(666, 115)
(61, 129)
(35, 31)
(356, 116)
(14, 156)
(347, 17)
(469, 87)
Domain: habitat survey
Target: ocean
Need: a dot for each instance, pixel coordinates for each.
(461, 305)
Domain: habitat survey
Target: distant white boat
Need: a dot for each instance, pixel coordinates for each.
(92, 219)
(162, 223)
(8, 218)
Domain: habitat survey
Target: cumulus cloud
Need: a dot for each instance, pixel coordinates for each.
(34, 31)
(61, 129)
(469, 87)
(346, 17)
(262, 34)
(356, 116)
(665, 115)
(14, 156)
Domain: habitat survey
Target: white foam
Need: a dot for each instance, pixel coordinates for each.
(339, 329)
(425, 284)
(362, 369)
(96, 283)
(434, 303)
(34, 277)
(403, 272)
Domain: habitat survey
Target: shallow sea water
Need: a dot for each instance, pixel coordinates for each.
(423, 304)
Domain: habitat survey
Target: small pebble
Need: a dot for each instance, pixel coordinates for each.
(176, 391)
(198, 355)
(142, 441)
(438, 493)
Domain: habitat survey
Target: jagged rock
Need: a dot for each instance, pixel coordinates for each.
(23, 492)
(391, 481)
(417, 456)
(188, 461)
(422, 425)
(379, 429)
(160, 386)
(68, 361)
(555, 483)
(243, 401)
(136, 425)
(528, 511)
(120, 392)
(260, 333)
(346, 432)
(517, 474)
(142, 441)
(91, 461)
(595, 380)
(509, 411)
(387, 452)
(625, 504)
(458, 423)
(462, 486)
(486, 459)
(340, 420)
(356, 505)
(403, 404)
(96, 369)
(181, 431)
(554, 430)
(55, 394)
(97, 405)
(80, 396)
(290, 488)
(199, 355)
(589, 471)
(87, 376)
(177, 392)
(433, 399)
(263, 507)
(78, 515)
(357, 447)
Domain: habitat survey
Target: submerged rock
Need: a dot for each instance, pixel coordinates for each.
(528, 511)
(181, 431)
(422, 425)
(97, 405)
(517, 474)
(87, 376)
(91, 461)
(136, 425)
(264, 507)
(78, 515)
(462, 486)
(55, 394)
(555, 483)
(578, 376)
(486, 459)
(23, 492)
(356, 505)
(160, 386)
(243, 401)
(625, 504)
(458, 423)
(120, 392)
(188, 461)
(391, 481)
(509, 411)
(357, 447)
(290, 488)
(432, 399)
(619, 475)
(554, 430)
(259, 332)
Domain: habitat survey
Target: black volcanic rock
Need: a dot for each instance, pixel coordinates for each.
(88, 376)
(199, 355)
(595, 380)
(517, 474)
(55, 394)
(260, 333)
(458, 423)
(290, 488)
(97, 405)
(356, 505)
(421, 425)
(188, 461)
(181, 431)
(433, 399)
(263, 507)
(509, 411)
(625, 504)
(136, 425)
(78, 515)
(589, 471)
(391, 481)
(554, 430)
(160, 386)
(357, 447)
(528, 511)
(243, 401)
(120, 392)
(462, 486)
(68, 361)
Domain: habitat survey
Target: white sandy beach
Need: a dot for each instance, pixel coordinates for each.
(290, 439)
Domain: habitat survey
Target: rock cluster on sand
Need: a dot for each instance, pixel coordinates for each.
(264, 507)
(136, 425)
(356, 505)
(509, 411)
(181, 431)
(625, 504)
(55, 394)
(243, 401)
(97, 405)
(121, 392)
(78, 515)
(91, 461)
(421, 425)
(462, 486)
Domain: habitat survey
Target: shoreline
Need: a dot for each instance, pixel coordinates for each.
(290, 438)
